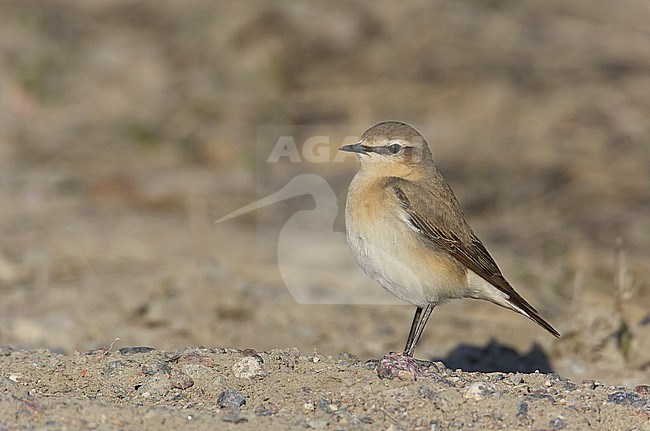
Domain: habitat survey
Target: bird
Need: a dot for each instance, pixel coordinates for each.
(407, 231)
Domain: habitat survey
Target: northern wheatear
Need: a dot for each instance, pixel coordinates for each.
(407, 231)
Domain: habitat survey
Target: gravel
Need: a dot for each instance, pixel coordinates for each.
(282, 389)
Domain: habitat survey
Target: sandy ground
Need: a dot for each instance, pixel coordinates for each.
(198, 388)
(127, 128)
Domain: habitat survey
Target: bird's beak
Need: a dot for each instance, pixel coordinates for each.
(354, 148)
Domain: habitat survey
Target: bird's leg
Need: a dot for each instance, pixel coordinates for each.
(404, 365)
(417, 327)
(414, 325)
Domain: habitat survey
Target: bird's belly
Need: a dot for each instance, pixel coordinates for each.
(392, 273)
(405, 268)
(393, 254)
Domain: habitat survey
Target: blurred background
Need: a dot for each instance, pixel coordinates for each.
(128, 127)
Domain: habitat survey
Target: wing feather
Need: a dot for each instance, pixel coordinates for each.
(449, 231)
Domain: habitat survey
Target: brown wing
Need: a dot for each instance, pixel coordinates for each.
(444, 226)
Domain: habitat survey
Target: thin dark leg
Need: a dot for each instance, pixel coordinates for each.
(417, 327)
(414, 325)
(423, 322)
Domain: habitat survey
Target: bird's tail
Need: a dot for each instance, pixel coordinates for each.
(522, 306)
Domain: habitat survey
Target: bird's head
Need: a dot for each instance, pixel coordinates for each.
(392, 148)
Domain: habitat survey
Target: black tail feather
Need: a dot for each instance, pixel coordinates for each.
(532, 314)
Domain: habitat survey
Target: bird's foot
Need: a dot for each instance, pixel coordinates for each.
(397, 364)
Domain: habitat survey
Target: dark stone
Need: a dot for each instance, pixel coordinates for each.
(230, 398)
(626, 398)
(126, 351)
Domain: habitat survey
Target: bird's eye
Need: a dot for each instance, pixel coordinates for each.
(395, 148)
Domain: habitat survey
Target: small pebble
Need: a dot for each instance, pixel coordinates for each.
(172, 356)
(347, 358)
(516, 379)
(181, 381)
(155, 367)
(398, 365)
(248, 368)
(479, 390)
(569, 386)
(426, 392)
(556, 424)
(326, 406)
(266, 409)
(626, 398)
(113, 367)
(154, 387)
(7, 384)
(309, 406)
(126, 351)
(253, 354)
(592, 384)
(551, 379)
(230, 398)
(371, 364)
(642, 389)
